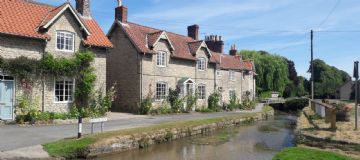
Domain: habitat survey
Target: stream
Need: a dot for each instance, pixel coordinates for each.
(257, 141)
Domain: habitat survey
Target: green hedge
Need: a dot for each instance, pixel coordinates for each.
(296, 104)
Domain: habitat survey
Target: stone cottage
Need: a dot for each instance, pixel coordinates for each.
(148, 62)
(30, 29)
(346, 91)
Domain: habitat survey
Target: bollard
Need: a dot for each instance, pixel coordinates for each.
(79, 127)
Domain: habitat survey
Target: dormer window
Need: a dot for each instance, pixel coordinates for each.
(65, 41)
(201, 64)
(161, 59)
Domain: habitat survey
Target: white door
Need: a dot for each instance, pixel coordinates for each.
(6, 100)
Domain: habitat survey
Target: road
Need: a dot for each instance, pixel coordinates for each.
(15, 137)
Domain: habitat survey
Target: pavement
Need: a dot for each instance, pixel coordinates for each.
(16, 139)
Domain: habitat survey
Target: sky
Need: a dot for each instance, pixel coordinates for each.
(278, 26)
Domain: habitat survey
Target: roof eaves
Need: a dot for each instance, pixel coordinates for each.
(77, 17)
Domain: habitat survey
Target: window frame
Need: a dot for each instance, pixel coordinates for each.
(164, 58)
(232, 92)
(159, 97)
(232, 76)
(64, 90)
(65, 33)
(201, 64)
(201, 93)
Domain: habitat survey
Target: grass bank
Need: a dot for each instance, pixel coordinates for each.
(78, 148)
(299, 153)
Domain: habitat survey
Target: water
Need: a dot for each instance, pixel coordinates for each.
(259, 141)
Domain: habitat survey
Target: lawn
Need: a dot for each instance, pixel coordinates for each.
(299, 153)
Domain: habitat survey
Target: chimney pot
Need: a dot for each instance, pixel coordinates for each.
(233, 51)
(193, 31)
(215, 43)
(119, 3)
(83, 7)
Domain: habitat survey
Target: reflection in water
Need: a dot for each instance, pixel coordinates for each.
(243, 143)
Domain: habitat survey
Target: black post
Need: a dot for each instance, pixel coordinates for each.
(80, 127)
(312, 65)
(356, 76)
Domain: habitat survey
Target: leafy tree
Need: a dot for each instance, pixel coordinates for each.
(272, 70)
(292, 71)
(327, 79)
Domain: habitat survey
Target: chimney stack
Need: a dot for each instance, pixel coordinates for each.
(215, 43)
(193, 31)
(121, 12)
(233, 50)
(83, 7)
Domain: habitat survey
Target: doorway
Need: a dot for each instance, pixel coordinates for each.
(6, 97)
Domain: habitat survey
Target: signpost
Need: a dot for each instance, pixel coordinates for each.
(356, 76)
(98, 120)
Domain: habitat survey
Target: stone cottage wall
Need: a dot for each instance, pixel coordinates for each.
(123, 70)
(43, 90)
(175, 70)
(223, 80)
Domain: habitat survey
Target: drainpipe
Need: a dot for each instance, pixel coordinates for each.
(141, 76)
(241, 85)
(43, 80)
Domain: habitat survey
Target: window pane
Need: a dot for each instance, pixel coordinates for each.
(65, 41)
(160, 91)
(161, 59)
(63, 91)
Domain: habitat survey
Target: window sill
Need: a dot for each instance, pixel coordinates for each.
(159, 100)
(64, 102)
(66, 51)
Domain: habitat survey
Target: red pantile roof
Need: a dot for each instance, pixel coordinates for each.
(194, 46)
(153, 37)
(184, 46)
(21, 18)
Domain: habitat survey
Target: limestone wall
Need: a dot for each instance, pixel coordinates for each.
(142, 140)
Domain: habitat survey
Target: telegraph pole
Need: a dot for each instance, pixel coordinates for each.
(312, 65)
(356, 76)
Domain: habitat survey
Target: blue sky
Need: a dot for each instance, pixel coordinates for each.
(278, 26)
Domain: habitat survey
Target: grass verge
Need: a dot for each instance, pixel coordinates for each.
(267, 108)
(299, 153)
(73, 148)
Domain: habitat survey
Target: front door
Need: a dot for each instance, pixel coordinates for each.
(6, 99)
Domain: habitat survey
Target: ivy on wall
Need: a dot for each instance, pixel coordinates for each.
(78, 67)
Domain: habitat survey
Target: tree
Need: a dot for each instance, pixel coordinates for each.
(327, 79)
(292, 71)
(272, 70)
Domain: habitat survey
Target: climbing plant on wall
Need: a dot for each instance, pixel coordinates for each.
(78, 67)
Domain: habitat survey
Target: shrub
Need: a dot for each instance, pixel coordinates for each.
(190, 102)
(145, 106)
(213, 101)
(161, 110)
(234, 103)
(176, 102)
(101, 103)
(296, 104)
